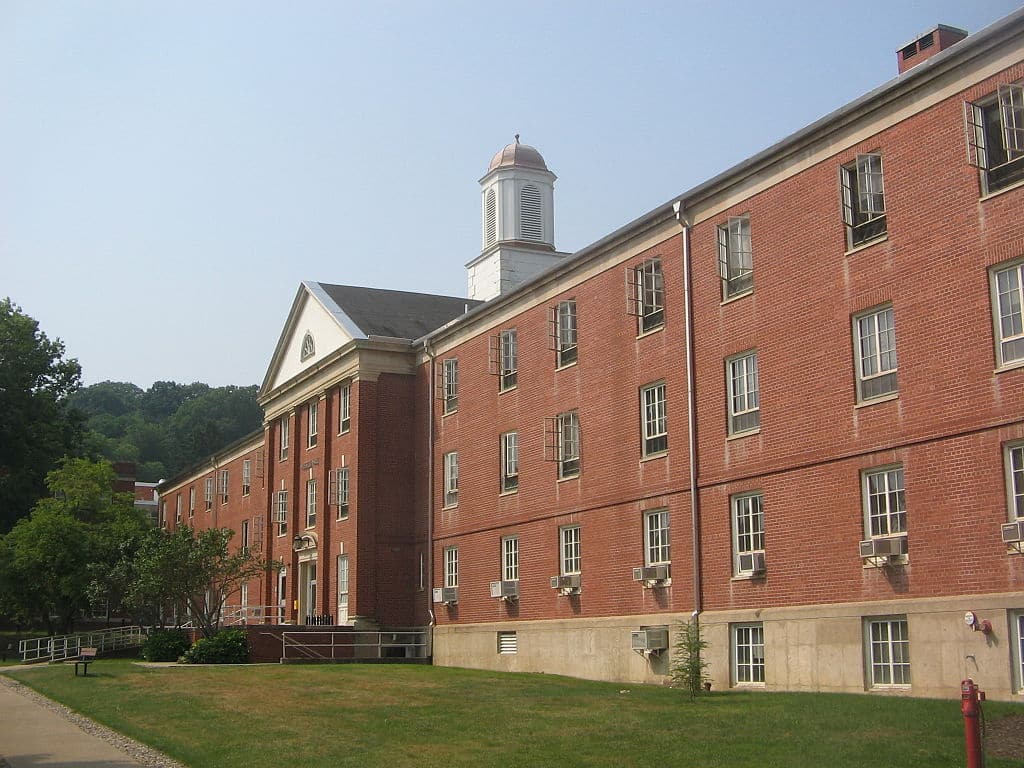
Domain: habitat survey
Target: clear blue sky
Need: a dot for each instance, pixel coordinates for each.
(170, 172)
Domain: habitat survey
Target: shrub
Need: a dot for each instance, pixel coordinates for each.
(229, 646)
(165, 645)
(688, 665)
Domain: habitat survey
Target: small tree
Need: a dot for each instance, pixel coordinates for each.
(191, 569)
(688, 664)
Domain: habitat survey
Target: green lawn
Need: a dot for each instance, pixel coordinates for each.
(354, 715)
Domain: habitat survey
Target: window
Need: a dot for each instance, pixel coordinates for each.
(245, 536)
(646, 294)
(1014, 462)
(310, 503)
(163, 513)
(177, 509)
(567, 427)
(875, 342)
(735, 259)
(345, 409)
(884, 502)
(569, 545)
(284, 438)
(510, 558)
(308, 347)
(208, 493)
(451, 566)
(450, 384)
(191, 501)
(863, 200)
(652, 415)
(509, 462)
(744, 393)
(341, 491)
(342, 587)
(747, 532)
(509, 362)
(281, 513)
(223, 486)
(889, 652)
(508, 643)
(995, 137)
(748, 654)
(1007, 299)
(656, 538)
(1017, 649)
(312, 410)
(564, 332)
(246, 476)
(451, 479)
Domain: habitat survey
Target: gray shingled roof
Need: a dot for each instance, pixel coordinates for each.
(400, 314)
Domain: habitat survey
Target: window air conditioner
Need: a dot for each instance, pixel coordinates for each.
(505, 590)
(649, 639)
(894, 546)
(651, 574)
(446, 595)
(569, 585)
(1013, 533)
(752, 562)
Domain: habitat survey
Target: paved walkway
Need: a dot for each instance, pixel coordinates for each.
(32, 734)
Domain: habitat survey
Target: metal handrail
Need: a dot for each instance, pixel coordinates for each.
(353, 644)
(61, 647)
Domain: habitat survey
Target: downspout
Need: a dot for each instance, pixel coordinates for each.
(691, 412)
(429, 554)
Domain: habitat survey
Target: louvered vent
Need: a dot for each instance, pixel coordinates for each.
(490, 219)
(532, 220)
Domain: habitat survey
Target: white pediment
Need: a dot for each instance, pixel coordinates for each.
(316, 328)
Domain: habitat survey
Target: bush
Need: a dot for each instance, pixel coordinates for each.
(688, 665)
(229, 646)
(165, 645)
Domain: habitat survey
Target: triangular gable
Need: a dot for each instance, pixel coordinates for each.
(315, 318)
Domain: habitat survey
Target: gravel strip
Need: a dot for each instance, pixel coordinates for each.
(134, 749)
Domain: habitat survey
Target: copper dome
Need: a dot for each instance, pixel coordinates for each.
(517, 155)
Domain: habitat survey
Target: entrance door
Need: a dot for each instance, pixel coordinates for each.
(307, 591)
(342, 589)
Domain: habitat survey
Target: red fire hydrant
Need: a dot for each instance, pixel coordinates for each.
(970, 706)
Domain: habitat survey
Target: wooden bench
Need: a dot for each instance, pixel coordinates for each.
(86, 657)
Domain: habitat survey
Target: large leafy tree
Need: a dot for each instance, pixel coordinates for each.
(193, 570)
(36, 425)
(50, 560)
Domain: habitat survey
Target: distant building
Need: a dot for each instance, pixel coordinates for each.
(789, 401)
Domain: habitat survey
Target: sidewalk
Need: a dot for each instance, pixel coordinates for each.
(32, 734)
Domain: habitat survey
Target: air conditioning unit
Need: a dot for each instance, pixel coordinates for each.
(894, 546)
(505, 590)
(651, 574)
(752, 562)
(446, 595)
(568, 585)
(649, 639)
(1013, 533)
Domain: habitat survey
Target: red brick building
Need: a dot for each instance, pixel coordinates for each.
(824, 341)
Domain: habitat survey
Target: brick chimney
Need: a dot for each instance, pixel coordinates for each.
(927, 45)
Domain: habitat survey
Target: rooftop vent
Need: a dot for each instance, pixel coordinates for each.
(927, 45)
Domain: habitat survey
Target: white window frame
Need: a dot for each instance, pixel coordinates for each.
(1013, 462)
(223, 486)
(344, 576)
(735, 257)
(747, 527)
(654, 419)
(657, 537)
(1017, 649)
(208, 493)
(246, 476)
(342, 479)
(244, 542)
(747, 645)
(887, 651)
(874, 347)
(312, 426)
(177, 509)
(451, 479)
(283, 438)
(646, 295)
(450, 384)
(191, 501)
(510, 558)
(863, 199)
(451, 566)
(344, 408)
(569, 553)
(568, 425)
(744, 392)
(885, 504)
(509, 462)
(566, 333)
(995, 137)
(1007, 287)
(508, 359)
(282, 511)
(311, 503)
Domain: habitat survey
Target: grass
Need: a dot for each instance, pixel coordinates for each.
(394, 716)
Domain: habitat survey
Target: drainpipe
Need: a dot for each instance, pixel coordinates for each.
(430, 497)
(691, 411)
